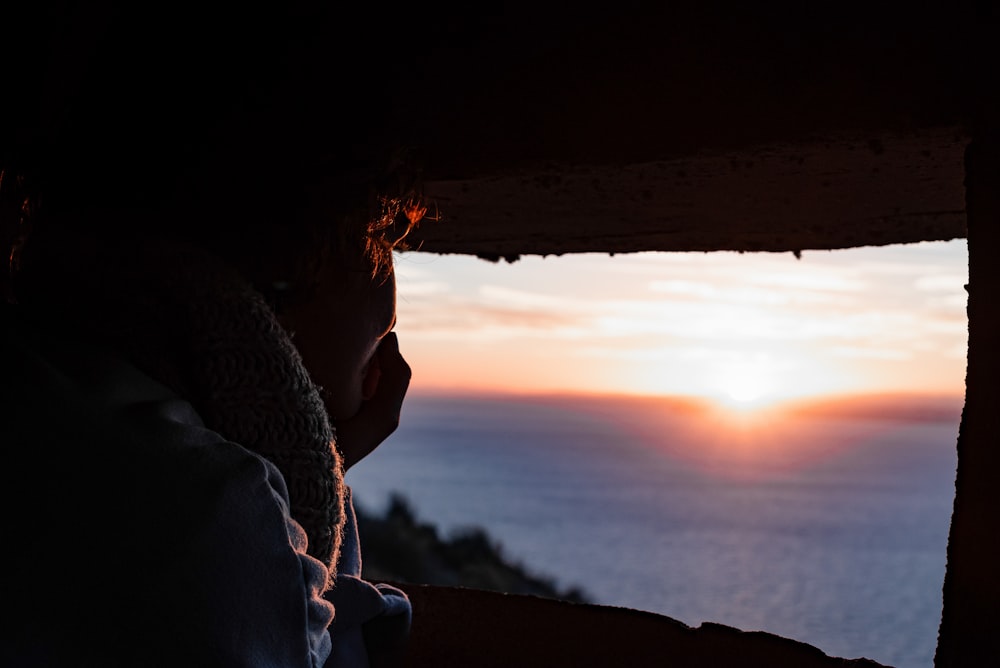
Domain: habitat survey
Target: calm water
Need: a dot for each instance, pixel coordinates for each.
(825, 527)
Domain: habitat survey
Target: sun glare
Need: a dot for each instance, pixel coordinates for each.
(745, 391)
(744, 387)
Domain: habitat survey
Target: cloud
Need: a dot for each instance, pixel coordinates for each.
(946, 282)
(667, 311)
(895, 354)
(500, 314)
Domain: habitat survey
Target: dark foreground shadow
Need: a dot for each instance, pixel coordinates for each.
(472, 628)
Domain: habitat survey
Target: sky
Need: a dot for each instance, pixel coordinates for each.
(742, 328)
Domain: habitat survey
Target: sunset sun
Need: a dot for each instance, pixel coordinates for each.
(744, 386)
(745, 389)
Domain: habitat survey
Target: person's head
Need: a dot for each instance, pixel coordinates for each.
(339, 319)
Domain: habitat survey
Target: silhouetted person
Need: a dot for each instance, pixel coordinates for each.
(197, 340)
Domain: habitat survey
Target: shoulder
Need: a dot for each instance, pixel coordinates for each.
(179, 536)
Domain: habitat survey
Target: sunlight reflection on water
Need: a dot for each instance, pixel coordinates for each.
(824, 528)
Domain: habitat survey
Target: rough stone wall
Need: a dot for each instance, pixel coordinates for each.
(846, 192)
(466, 627)
(970, 627)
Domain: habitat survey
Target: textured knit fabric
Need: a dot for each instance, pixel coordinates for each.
(195, 325)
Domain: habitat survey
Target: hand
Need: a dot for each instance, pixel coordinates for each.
(378, 418)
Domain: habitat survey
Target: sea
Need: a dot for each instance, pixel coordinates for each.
(826, 522)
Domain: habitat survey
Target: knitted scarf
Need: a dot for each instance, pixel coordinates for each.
(194, 324)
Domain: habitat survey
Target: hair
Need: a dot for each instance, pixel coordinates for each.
(231, 127)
